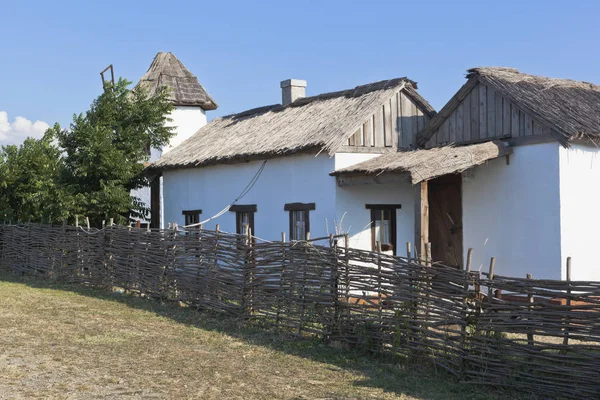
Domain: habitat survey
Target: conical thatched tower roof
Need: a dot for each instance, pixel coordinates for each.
(185, 90)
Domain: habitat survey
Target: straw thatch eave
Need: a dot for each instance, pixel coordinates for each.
(423, 165)
(319, 124)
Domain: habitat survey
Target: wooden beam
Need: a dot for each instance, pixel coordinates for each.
(421, 217)
(365, 149)
(365, 179)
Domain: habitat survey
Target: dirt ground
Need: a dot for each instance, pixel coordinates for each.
(73, 342)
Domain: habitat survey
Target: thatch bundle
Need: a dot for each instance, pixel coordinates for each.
(427, 164)
(318, 123)
(184, 88)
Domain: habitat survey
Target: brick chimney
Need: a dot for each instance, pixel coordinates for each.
(292, 89)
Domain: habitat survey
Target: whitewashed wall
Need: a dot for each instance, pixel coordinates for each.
(355, 218)
(343, 160)
(186, 120)
(299, 178)
(352, 216)
(512, 211)
(579, 216)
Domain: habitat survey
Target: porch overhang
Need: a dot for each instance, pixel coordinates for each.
(420, 165)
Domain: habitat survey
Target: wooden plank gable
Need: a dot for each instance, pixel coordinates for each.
(394, 125)
(484, 114)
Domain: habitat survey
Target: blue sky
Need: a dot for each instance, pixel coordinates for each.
(53, 51)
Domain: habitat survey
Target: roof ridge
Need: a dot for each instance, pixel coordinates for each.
(357, 91)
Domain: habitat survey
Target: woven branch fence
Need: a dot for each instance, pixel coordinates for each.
(538, 335)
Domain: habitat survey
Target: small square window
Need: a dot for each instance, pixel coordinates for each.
(191, 216)
(299, 219)
(383, 226)
(244, 216)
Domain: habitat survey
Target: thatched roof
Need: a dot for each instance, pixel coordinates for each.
(423, 165)
(320, 123)
(185, 90)
(571, 109)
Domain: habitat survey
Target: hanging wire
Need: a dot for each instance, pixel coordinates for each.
(244, 192)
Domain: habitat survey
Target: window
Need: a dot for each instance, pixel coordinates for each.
(383, 226)
(191, 216)
(299, 219)
(244, 216)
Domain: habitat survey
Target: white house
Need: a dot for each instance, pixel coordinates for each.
(191, 102)
(374, 162)
(531, 208)
(281, 156)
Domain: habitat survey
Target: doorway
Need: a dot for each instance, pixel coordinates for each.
(445, 220)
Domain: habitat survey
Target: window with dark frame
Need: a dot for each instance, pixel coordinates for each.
(191, 216)
(244, 216)
(299, 219)
(383, 226)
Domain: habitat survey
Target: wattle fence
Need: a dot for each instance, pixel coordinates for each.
(538, 335)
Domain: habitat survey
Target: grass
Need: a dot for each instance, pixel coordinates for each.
(66, 341)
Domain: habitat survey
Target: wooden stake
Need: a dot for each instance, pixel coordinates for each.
(568, 301)
(491, 278)
(112, 221)
(347, 273)
(463, 328)
(469, 259)
(408, 252)
(530, 338)
(87, 223)
(428, 260)
(379, 300)
(76, 221)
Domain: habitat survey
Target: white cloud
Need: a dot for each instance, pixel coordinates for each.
(19, 129)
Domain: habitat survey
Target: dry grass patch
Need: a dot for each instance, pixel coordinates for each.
(81, 343)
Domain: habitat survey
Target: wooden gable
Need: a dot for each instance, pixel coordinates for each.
(394, 125)
(479, 113)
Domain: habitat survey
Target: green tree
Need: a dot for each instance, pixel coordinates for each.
(30, 187)
(91, 168)
(106, 148)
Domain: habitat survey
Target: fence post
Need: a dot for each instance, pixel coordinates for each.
(530, 299)
(79, 250)
(463, 328)
(428, 283)
(491, 278)
(347, 275)
(246, 307)
(335, 285)
(304, 266)
(379, 297)
(280, 301)
(568, 302)
(414, 304)
(428, 260)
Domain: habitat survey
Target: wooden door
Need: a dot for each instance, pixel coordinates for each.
(445, 220)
